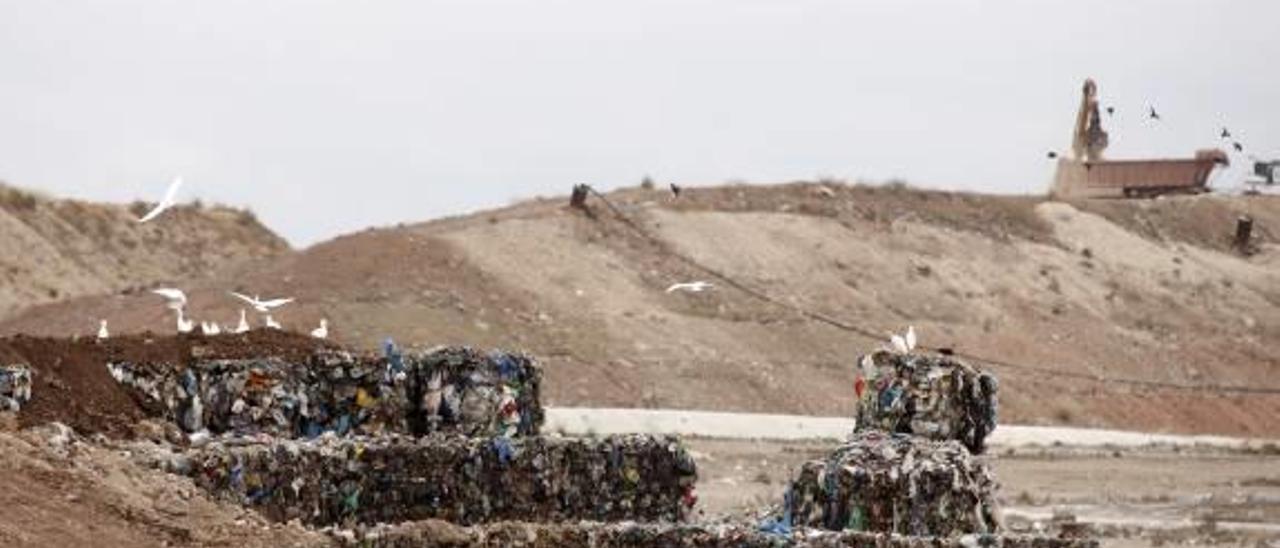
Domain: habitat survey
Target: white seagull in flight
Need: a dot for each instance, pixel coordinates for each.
(261, 305)
(165, 203)
(177, 299)
(693, 287)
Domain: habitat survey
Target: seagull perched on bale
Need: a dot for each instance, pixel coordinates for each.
(904, 344)
(321, 332)
(210, 328)
(165, 203)
(261, 305)
(272, 323)
(692, 287)
(102, 330)
(185, 325)
(243, 327)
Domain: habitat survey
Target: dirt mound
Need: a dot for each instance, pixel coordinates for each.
(72, 384)
(52, 250)
(1070, 297)
(60, 490)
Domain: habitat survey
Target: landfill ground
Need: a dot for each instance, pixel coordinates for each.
(62, 490)
(72, 384)
(1149, 496)
(1128, 315)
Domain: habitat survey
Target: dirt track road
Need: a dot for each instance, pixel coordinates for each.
(581, 421)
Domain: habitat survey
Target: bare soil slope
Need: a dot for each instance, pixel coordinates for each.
(1072, 295)
(60, 490)
(57, 249)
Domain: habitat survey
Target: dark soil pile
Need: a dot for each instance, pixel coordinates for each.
(71, 383)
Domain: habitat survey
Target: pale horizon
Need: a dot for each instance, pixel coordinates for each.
(325, 118)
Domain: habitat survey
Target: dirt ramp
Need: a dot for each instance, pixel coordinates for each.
(71, 383)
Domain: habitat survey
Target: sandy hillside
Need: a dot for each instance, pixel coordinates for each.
(52, 250)
(1073, 296)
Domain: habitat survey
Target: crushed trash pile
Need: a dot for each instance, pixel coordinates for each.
(445, 390)
(894, 483)
(932, 396)
(328, 437)
(663, 535)
(909, 467)
(393, 449)
(15, 387)
(461, 479)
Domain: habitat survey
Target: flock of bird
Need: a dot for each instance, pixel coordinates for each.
(176, 299)
(1154, 116)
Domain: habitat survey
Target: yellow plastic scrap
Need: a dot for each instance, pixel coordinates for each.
(364, 400)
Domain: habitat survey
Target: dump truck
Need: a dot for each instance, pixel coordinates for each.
(1087, 174)
(1136, 178)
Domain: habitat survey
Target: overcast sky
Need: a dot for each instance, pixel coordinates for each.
(326, 117)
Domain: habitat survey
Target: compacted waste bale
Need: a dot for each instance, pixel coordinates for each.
(15, 387)
(449, 389)
(423, 534)
(932, 396)
(466, 480)
(895, 483)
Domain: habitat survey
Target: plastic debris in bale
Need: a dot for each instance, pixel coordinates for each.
(452, 389)
(933, 396)
(461, 389)
(435, 533)
(332, 392)
(15, 387)
(895, 483)
(465, 480)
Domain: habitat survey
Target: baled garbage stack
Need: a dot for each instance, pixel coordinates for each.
(460, 479)
(460, 389)
(663, 535)
(15, 387)
(932, 396)
(450, 389)
(895, 483)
